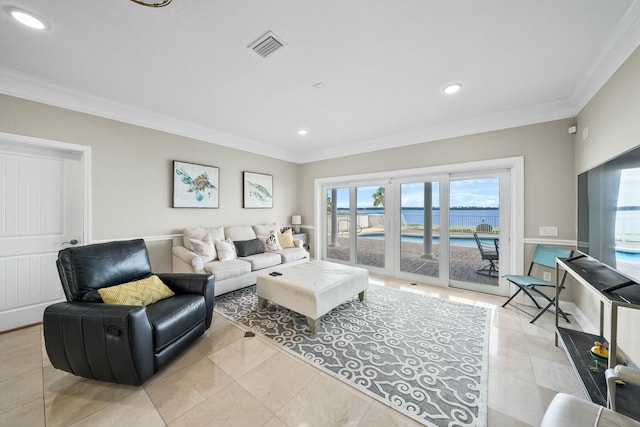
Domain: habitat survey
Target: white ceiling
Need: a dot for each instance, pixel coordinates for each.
(186, 68)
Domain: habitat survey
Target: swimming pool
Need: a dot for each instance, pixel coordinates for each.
(470, 242)
(467, 242)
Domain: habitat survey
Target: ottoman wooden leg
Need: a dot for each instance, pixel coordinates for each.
(361, 295)
(262, 303)
(312, 324)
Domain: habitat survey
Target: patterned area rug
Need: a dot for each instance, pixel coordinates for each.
(426, 357)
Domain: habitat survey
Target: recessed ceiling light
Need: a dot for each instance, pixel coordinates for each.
(302, 132)
(26, 18)
(452, 88)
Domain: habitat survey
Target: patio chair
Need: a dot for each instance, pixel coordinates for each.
(489, 251)
(544, 256)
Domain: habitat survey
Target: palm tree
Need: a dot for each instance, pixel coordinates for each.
(378, 197)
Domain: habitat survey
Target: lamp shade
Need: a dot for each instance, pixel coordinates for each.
(296, 220)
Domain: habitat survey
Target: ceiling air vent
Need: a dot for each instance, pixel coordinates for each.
(267, 44)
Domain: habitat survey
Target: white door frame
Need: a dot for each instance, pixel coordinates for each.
(515, 165)
(85, 154)
(31, 314)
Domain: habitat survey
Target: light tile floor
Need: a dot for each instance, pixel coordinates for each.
(226, 379)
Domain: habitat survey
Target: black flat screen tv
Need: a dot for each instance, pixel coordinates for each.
(609, 214)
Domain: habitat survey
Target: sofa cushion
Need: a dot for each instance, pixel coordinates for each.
(239, 232)
(140, 292)
(172, 317)
(249, 247)
(265, 260)
(199, 233)
(226, 250)
(228, 269)
(265, 229)
(286, 239)
(292, 254)
(205, 248)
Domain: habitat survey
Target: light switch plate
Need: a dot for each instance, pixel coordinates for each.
(548, 231)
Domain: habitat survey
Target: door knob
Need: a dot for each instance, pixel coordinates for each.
(71, 242)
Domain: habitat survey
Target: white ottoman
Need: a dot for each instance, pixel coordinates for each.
(313, 288)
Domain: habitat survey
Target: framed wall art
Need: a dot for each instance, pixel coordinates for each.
(257, 189)
(195, 186)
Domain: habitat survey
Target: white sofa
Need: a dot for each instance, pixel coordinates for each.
(232, 274)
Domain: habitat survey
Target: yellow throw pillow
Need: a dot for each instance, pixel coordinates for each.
(286, 239)
(140, 292)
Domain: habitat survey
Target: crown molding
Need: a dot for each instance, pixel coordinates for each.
(622, 43)
(546, 112)
(22, 85)
(620, 46)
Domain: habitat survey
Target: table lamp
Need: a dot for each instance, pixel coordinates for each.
(296, 220)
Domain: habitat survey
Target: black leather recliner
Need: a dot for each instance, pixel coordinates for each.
(121, 343)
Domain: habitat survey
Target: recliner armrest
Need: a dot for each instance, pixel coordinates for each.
(101, 341)
(185, 283)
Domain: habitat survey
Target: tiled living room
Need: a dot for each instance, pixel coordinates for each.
(227, 379)
(159, 118)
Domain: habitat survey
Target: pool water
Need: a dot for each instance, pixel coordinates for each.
(470, 242)
(467, 242)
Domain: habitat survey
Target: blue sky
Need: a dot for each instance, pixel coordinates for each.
(469, 192)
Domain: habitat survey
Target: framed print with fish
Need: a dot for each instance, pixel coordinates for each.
(195, 186)
(258, 190)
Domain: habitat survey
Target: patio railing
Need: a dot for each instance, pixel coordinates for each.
(457, 223)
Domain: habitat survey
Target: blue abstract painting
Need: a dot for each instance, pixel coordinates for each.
(195, 186)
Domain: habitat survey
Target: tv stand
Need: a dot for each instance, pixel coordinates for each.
(600, 281)
(619, 286)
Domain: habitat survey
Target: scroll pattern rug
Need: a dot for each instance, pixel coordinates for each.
(426, 357)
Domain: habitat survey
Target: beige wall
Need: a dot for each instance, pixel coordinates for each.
(612, 116)
(547, 148)
(613, 119)
(132, 174)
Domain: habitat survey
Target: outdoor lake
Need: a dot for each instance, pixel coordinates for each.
(458, 217)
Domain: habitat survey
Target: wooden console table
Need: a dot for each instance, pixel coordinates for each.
(597, 279)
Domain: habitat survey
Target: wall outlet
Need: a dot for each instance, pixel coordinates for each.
(546, 276)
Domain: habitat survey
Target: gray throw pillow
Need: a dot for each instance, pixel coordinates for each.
(249, 247)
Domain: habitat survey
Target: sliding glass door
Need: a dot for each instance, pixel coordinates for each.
(371, 231)
(479, 231)
(418, 241)
(444, 229)
(338, 218)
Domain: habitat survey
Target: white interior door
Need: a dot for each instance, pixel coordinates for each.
(42, 210)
